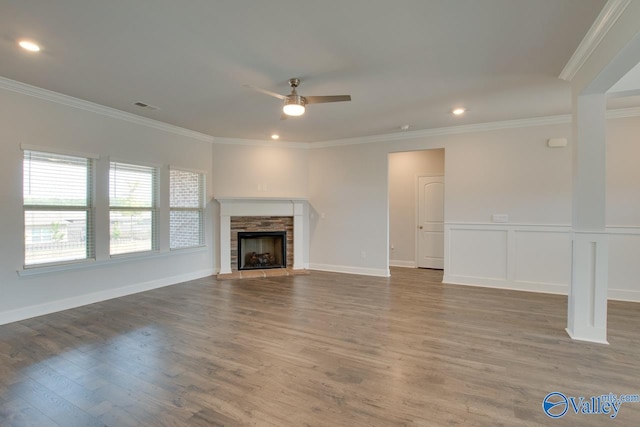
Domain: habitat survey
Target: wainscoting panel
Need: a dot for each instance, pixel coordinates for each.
(478, 253)
(509, 256)
(534, 258)
(542, 257)
(624, 263)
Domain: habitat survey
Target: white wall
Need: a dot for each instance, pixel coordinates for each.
(623, 207)
(623, 173)
(508, 171)
(35, 121)
(260, 171)
(404, 168)
(348, 198)
(483, 173)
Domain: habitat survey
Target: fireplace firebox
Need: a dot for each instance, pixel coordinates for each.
(262, 250)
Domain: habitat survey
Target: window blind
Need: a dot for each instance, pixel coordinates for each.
(57, 202)
(132, 208)
(186, 227)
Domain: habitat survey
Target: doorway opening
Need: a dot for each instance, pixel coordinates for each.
(416, 209)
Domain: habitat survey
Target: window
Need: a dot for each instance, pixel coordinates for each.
(58, 214)
(132, 204)
(186, 227)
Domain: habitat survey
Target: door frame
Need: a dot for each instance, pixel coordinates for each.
(416, 214)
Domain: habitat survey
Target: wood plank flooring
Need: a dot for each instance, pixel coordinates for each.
(322, 349)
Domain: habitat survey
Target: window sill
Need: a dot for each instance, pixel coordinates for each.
(91, 263)
(188, 249)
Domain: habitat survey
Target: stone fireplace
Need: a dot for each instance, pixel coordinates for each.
(264, 220)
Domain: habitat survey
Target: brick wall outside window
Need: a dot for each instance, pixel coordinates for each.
(187, 209)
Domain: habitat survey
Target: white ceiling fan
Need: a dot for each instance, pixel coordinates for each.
(294, 104)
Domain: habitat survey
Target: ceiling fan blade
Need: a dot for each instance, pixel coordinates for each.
(330, 98)
(266, 92)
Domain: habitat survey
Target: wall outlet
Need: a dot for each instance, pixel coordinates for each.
(500, 218)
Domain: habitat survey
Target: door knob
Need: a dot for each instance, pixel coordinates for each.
(420, 227)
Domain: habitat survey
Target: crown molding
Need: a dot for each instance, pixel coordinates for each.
(599, 29)
(622, 113)
(81, 104)
(261, 143)
(452, 130)
(479, 127)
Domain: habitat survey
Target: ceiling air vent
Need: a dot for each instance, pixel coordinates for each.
(147, 106)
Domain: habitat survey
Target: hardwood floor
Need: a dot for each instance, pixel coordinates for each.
(322, 350)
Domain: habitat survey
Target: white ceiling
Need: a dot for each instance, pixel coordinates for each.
(403, 61)
(628, 84)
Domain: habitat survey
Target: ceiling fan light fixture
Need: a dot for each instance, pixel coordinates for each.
(293, 105)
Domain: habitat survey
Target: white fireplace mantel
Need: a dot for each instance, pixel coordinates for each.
(261, 206)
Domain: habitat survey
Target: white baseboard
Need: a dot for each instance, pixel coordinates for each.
(399, 263)
(378, 272)
(624, 295)
(545, 288)
(67, 303)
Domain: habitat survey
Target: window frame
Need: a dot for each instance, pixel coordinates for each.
(89, 208)
(154, 209)
(202, 179)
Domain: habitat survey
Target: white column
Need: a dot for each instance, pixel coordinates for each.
(298, 235)
(225, 242)
(587, 305)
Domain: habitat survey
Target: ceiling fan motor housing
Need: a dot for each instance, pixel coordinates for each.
(295, 99)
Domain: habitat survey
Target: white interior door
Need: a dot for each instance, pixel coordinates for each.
(431, 222)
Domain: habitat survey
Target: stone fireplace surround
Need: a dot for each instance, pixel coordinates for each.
(261, 207)
(261, 223)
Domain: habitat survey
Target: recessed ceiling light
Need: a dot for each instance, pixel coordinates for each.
(275, 136)
(28, 45)
(459, 111)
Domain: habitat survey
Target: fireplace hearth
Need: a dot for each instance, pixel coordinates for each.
(262, 250)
